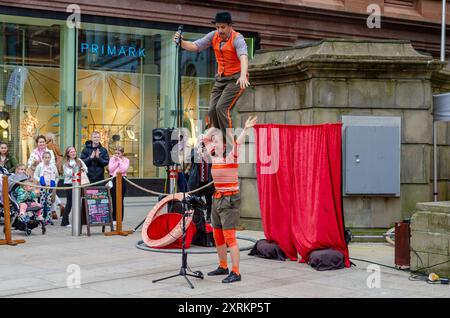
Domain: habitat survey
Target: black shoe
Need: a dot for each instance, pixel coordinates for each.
(233, 277)
(219, 271)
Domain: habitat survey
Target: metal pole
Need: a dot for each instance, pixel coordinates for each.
(435, 162)
(119, 202)
(443, 31)
(76, 202)
(173, 175)
(435, 194)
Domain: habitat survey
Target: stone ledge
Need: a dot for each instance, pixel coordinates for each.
(434, 222)
(426, 263)
(419, 221)
(251, 224)
(442, 206)
(430, 242)
(343, 54)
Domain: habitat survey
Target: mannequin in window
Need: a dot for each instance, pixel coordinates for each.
(190, 114)
(28, 128)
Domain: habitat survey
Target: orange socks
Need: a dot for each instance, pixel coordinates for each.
(223, 264)
(227, 237)
(220, 240)
(218, 236)
(230, 240)
(230, 237)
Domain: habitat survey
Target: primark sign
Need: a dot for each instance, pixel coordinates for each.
(112, 50)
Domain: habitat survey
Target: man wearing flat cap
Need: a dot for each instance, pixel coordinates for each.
(231, 79)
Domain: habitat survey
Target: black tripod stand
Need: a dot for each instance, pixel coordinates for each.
(184, 268)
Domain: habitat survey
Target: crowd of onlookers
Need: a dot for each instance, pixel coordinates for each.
(47, 165)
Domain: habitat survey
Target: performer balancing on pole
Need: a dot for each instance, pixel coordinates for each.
(226, 200)
(231, 79)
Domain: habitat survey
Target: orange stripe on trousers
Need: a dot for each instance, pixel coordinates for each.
(231, 106)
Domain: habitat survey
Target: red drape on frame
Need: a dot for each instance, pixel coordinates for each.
(299, 184)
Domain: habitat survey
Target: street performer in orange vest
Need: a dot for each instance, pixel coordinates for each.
(231, 79)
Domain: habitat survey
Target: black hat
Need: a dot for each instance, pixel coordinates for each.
(222, 17)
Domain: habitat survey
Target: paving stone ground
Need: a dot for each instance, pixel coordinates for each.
(114, 267)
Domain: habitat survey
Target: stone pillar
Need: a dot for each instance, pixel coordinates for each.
(430, 238)
(319, 83)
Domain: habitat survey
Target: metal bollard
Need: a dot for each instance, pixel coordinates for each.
(173, 176)
(119, 211)
(76, 203)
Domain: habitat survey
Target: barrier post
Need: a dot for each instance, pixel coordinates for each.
(7, 216)
(76, 202)
(118, 230)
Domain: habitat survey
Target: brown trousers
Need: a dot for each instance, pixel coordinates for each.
(226, 212)
(224, 95)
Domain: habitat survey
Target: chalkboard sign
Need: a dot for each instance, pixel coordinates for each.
(98, 207)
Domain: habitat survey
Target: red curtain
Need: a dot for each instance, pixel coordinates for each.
(299, 186)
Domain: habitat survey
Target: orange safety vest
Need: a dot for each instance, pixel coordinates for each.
(228, 62)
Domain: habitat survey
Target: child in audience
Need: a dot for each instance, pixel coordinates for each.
(21, 168)
(26, 197)
(46, 174)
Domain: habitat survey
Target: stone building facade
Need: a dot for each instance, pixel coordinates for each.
(316, 83)
(320, 83)
(278, 23)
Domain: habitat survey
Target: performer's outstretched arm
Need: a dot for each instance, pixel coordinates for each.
(251, 121)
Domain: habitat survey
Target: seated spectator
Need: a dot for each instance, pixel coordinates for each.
(7, 161)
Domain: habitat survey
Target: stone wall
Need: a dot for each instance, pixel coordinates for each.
(320, 83)
(430, 238)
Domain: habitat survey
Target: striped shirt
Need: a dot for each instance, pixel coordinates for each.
(224, 170)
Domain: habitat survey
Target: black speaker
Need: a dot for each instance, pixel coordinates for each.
(162, 146)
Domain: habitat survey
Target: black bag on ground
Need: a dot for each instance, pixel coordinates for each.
(326, 259)
(267, 249)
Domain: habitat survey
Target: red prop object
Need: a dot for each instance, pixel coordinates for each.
(173, 234)
(163, 224)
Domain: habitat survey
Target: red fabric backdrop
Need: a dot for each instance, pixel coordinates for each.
(299, 185)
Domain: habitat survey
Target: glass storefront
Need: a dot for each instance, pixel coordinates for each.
(120, 81)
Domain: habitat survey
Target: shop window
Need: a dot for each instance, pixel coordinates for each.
(42, 45)
(29, 85)
(125, 86)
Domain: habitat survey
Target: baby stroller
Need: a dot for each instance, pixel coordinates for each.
(29, 222)
(3, 171)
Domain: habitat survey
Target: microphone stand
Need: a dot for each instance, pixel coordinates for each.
(184, 268)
